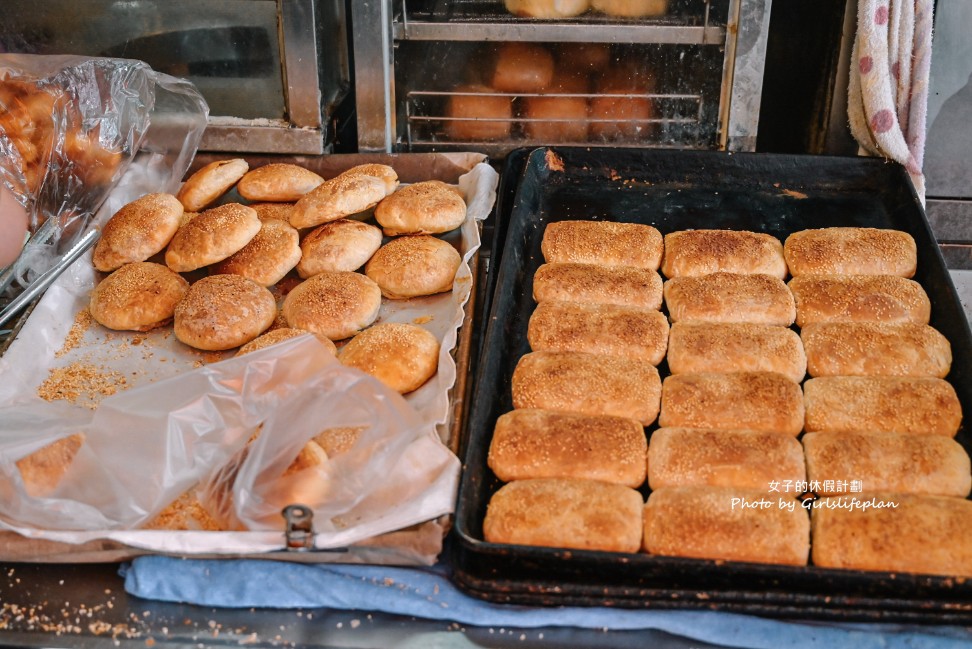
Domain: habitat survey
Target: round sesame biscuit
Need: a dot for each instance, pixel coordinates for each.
(275, 336)
(137, 297)
(334, 304)
(140, 229)
(339, 245)
(210, 182)
(221, 312)
(211, 237)
(400, 355)
(414, 266)
(268, 257)
(337, 198)
(277, 182)
(429, 207)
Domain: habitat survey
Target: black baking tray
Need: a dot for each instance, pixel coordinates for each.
(677, 190)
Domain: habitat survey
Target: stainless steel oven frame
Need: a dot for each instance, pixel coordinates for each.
(378, 28)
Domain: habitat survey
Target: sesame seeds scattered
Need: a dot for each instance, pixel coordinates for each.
(81, 383)
(82, 321)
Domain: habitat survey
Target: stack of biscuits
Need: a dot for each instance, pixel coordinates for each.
(564, 93)
(728, 474)
(295, 254)
(878, 409)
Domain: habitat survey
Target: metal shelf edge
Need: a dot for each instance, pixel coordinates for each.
(586, 33)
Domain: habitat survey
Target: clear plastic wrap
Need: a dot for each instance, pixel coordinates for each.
(70, 127)
(145, 447)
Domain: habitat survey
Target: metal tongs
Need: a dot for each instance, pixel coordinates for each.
(42, 236)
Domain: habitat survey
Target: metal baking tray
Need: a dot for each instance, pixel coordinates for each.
(398, 547)
(676, 190)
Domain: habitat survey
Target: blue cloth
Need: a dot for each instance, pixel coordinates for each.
(427, 593)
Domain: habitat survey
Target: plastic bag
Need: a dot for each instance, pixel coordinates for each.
(145, 447)
(70, 128)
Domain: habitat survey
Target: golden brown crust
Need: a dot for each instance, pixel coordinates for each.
(414, 266)
(276, 211)
(744, 459)
(531, 443)
(735, 347)
(623, 286)
(468, 110)
(561, 115)
(620, 111)
(222, 312)
(137, 297)
(385, 173)
(211, 236)
(760, 401)
(522, 67)
(279, 335)
(336, 305)
(277, 182)
(920, 534)
(875, 349)
(631, 8)
(184, 513)
(429, 207)
(881, 404)
(43, 469)
(730, 297)
(137, 231)
(268, 256)
(546, 8)
(859, 298)
(691, 253)
(628, 332)
(579, 514)
(337, 198)
(602, 242)
(342, 245)
(210, 182)
(583, 57)
(590, 384)
(715, 523)
(403, 356)
(851, 251)
(339, 440)
(888, 462)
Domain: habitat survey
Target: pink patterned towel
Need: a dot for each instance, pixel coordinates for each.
(887, 99)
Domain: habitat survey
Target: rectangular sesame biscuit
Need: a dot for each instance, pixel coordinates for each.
(875, 349)
(629, 332)
(881, 404)
(890, 462)
(761, 401)
(851, 251)
(532, 443)
(562, 513)
(730, 297)
(894, 533)
(735, 347)
(593, 284)
(589, 384)
(859, 298)
(744, 459)
(691, 253)
(725, 524)
(604, 243)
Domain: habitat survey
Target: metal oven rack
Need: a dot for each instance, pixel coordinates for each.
(715, 109)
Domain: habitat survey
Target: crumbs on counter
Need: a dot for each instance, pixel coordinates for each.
(82, 322)
(80, 383)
